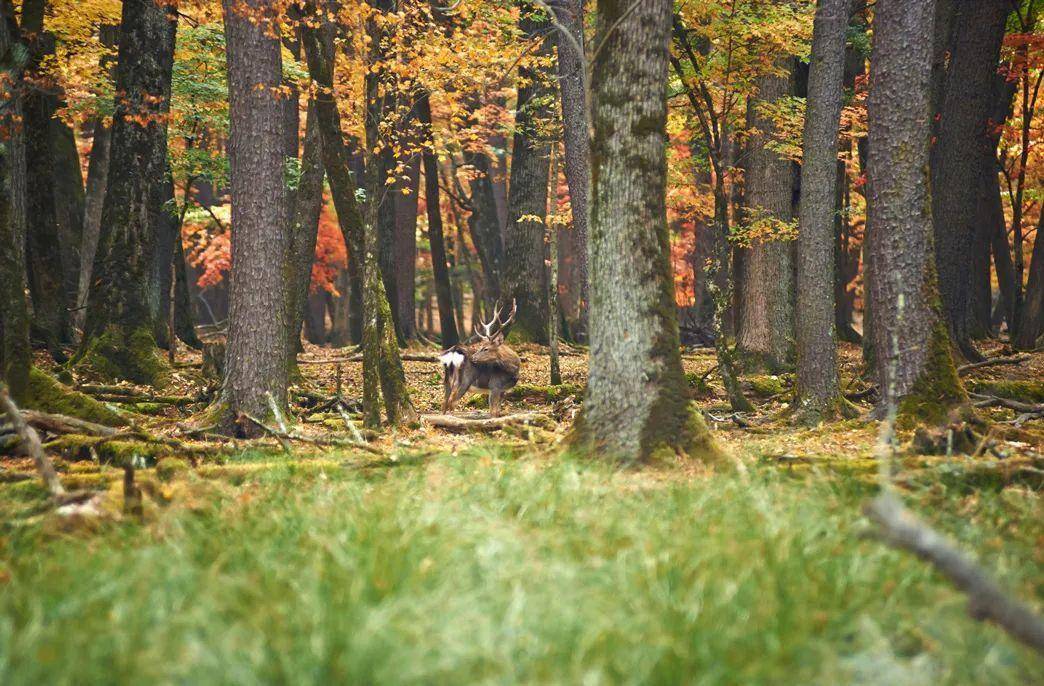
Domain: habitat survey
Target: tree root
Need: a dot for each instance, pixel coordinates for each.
(992, 361)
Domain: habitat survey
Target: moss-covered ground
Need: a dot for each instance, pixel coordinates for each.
(456, 558)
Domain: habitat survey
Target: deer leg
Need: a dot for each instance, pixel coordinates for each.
(459, 389)
(447, 387)
(495, 396)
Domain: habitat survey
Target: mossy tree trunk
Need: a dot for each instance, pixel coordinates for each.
(15, 354)
(524, 273)
(443, 287)
(765, 327)
(636, 404)
(956, 157)
(818, 394)
(911, 343)
(50, 323)
(382, 365)
(124, 299)
(308, 207)
(258, 352)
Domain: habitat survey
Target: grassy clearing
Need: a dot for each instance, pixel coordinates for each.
(496, 568)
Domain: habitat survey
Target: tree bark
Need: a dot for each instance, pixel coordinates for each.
(766, 313)
(50, 323)
(443, 287)
(123, 300)
(818, 395)
(15, 354)
(575, 138)
(636, 402)
(956, 161)
(525, 274)
(916, 372)
(258, 354)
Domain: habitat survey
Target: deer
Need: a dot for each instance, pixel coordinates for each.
(485, 364)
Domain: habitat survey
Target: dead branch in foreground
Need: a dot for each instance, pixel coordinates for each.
(31, 441)
(992, 361)
(451, 423)
(986, 601)
(61, 424)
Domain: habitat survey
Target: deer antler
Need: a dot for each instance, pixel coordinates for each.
(487, 327)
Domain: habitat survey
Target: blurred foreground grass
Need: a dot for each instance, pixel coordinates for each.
(491, 567)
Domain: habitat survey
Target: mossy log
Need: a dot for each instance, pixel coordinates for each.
(48, 395)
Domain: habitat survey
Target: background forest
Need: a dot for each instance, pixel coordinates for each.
(743, 279)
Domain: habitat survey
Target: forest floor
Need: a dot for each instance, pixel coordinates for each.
(439, 557)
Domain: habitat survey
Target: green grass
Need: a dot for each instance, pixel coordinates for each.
(490, 568)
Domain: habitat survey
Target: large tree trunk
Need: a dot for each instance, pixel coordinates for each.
(443, 288)
(636, 401)
(766, 312)
(572, 65)
(818, 395)
(956, 160)
(308, 207)
(912, 347)
(50, 322)
(123, 301)
(15, 354)
(382, 365)
(525, 274)
(258, 353)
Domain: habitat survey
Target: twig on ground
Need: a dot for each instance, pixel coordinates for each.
(986, 601)
(60, 424)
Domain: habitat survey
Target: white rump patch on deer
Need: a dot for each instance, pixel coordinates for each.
(452, 359)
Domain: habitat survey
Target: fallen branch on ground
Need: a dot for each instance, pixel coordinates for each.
(31, 441)
(408, 357)
(992, 361)
(986, 601)
(982, 400)
(451, 423)
(60, 424)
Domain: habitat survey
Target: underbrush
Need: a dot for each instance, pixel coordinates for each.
(494, 567)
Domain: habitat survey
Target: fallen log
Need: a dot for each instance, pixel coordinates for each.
(408, 357)
(991, 362)
(61, 424)
(986, 601)
(451, 423)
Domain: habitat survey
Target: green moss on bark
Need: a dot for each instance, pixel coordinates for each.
(1024, 391)
(48, 395)
(938, 390)
(117, 355)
